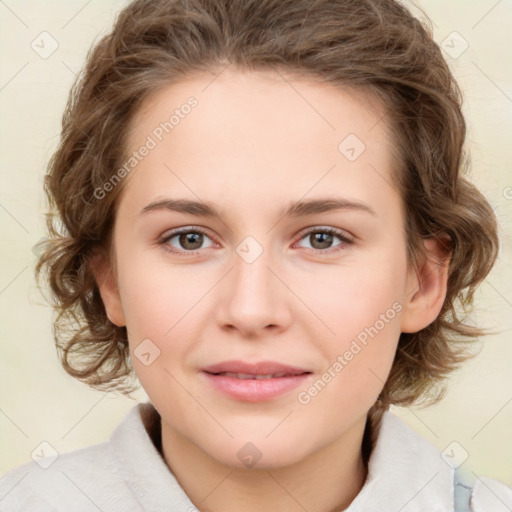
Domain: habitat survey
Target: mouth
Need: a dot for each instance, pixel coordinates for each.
(254, 382)
(246, 376)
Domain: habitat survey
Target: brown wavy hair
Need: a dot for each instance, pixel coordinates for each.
(374, 46)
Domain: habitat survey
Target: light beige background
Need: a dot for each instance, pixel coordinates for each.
(39, 402)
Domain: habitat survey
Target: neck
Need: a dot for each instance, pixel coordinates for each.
(326, 481)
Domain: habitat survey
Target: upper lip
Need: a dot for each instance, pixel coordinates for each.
(260, 368)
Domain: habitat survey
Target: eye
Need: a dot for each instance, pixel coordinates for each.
(186, 240)
(322, 239)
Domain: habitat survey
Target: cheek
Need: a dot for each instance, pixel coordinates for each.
(360, 307)
(356, 295)
(159, 299)
(165, 310)
(357, 360)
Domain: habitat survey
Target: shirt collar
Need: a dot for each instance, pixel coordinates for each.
(142, 467)
(405, 472)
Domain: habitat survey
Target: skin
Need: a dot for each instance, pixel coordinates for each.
(251, 147)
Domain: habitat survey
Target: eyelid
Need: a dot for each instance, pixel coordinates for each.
(329, 229)
(185, 229)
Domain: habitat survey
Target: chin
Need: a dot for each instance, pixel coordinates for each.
(261, 453)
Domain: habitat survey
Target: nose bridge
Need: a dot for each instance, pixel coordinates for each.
(255, 298)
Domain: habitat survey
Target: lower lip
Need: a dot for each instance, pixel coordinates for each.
(254, 390)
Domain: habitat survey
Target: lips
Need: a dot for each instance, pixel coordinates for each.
(257, 376)
(262, 370)
(254, 382)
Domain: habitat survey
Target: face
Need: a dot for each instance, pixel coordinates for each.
(260, 263)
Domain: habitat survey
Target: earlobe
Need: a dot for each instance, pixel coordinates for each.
(104, 275)
(426, 286)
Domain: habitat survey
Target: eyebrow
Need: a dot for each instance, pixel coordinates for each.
(294, 209)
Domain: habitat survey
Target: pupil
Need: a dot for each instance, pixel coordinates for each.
(324, 240)
(191, 238)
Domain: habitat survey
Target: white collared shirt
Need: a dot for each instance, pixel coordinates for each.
(406, 473)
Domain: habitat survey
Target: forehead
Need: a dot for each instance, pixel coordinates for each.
(259, 136)
(259, 103)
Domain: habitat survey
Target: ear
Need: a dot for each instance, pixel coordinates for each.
(426, 286)
(106, 280)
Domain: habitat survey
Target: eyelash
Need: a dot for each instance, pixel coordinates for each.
(330, 231)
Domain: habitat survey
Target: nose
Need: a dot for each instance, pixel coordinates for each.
(254, 301)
